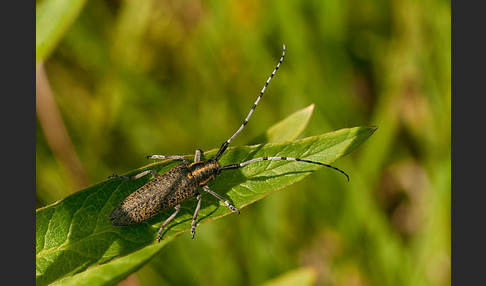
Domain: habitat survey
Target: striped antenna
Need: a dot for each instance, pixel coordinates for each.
(225, 144)
(236, 166)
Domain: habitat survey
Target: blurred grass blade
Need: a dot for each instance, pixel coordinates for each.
(116, 270)
(75, 233)
(288, 129)
(301, 277)
(52, 19)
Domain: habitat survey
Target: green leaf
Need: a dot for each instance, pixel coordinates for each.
(53, 18)
(115, 271)
(287, 129)
(75, 233)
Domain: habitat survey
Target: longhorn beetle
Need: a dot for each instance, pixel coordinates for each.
(183, 181)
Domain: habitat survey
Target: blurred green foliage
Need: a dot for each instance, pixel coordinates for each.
(132, 78)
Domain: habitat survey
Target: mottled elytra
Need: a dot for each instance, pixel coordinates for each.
(183, 181)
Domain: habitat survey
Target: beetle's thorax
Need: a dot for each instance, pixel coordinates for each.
(204, 171)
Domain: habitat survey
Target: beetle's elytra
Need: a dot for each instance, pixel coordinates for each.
(184, 181)
(165, 191)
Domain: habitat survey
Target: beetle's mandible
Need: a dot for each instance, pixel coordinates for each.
(184, 181)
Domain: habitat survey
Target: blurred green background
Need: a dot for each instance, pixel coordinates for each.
(132, 78)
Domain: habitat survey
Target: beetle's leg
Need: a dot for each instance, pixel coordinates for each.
(194, 217)
(207, 189)
(197, 156)
(138, 176)
(159, 234)
(168, 157)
